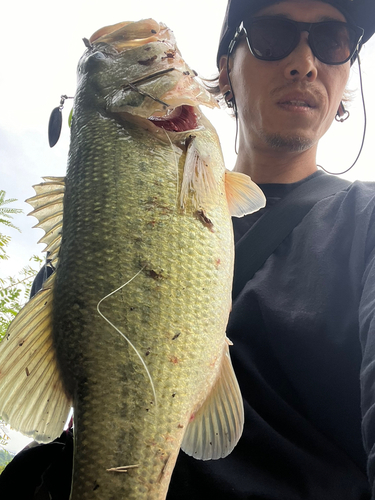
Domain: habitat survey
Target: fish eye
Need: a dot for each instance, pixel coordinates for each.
(99, 55)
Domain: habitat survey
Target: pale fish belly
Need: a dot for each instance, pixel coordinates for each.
(122, 217)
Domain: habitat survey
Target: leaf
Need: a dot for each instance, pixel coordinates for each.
(70, 118)
(5, 212)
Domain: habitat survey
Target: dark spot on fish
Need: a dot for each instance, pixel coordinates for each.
(173, 395)
(180, 426)
(201, 216)
(186, 73)
(96, 486)
(27, 371)
(154, 275)
(210, 443)
(195, 73)
(169, 55)
(154, 32)
(45, 303)
(176, 336)
(148, 62)
(148, 351)
(147, 409)
(189, 140)
(21, 343)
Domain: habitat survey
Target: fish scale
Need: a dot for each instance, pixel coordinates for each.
(130, 329)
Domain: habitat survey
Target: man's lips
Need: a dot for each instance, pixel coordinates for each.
(297, 100)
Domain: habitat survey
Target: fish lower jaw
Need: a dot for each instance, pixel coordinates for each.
(182, 119)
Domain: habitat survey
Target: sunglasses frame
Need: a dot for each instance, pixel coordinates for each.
(301, 26)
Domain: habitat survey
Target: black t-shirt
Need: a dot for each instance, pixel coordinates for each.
(303, 330)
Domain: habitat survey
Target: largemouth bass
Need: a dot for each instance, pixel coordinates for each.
(130, 329)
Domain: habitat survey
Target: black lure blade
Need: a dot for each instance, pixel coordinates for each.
(54, 126)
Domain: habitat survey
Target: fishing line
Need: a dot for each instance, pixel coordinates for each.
(122, 334)
(364, 125)
(146, 94)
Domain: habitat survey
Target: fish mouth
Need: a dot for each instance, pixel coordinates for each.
(181, 119)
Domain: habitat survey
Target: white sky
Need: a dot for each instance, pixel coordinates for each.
(42, 42)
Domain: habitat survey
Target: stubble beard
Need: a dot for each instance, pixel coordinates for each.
(291, 144)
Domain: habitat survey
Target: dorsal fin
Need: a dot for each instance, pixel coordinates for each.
(48, 209)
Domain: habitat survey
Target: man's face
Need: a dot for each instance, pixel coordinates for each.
(288, 104)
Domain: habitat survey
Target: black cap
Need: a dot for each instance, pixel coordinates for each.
(360, 12)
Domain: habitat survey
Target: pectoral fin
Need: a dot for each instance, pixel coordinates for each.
(198, 179)
(243, 195)
(32, 397)
(216, 427)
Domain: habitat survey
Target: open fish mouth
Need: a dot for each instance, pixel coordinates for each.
(181, 119)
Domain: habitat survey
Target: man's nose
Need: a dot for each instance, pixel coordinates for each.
(301, 62)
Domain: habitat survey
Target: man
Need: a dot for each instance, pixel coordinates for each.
(303, 327)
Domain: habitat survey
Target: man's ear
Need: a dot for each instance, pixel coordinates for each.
(224, 82)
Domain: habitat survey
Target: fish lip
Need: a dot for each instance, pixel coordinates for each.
(300, 97)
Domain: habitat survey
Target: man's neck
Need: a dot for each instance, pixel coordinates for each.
(277, 167)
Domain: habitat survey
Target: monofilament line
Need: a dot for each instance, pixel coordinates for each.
(124, 336)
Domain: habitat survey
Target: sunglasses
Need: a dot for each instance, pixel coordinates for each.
(273, 38)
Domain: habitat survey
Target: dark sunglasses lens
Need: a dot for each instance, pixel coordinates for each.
(333, 43)
(271, 39)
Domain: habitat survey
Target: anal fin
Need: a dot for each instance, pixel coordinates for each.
(217, 426)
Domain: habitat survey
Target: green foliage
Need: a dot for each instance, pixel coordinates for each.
(5, 215)
(14, 290)
(70, 118)
(4, 438)
(14, 293)
(4, 241)
(5, 212)
(5, 458)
